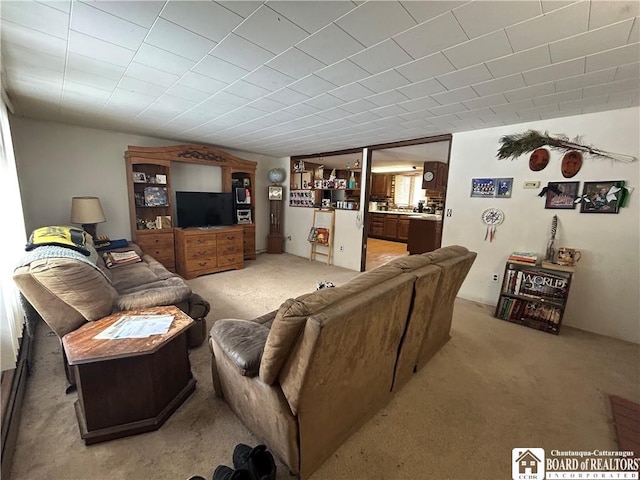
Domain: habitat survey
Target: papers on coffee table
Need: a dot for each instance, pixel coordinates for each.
(137, 326)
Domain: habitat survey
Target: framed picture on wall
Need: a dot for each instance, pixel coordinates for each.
(483, 187)
(562, 195)
(601, 197)
(504, 187)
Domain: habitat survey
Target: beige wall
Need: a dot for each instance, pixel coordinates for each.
(57, 161)
(605, 291)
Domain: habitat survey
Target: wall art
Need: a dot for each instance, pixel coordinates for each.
(601, 197)
(561, 195)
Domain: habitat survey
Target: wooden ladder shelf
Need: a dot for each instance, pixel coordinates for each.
(321, 234)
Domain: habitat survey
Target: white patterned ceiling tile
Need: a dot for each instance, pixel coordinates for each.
(202, 82)
(422, 89)
(466, 76)
(311, 16)
(219, 69)
(37, 16)
(270, 30)
(107, 27)
(151, 74)
(480, 18)
(524, 60)
(142, 13)
(426, 67)
(208, 19)
(437, 34)
(38, 41)
(558, 24)
(268, 78)
(605, 13)
(92, 47)
(330, 44)
(556, 71)
(342, 73)
(515, 96)
(389, 18)
(480, 49)
(384, 81)
(381, 57)
(295, 63)
(591, 42)
(613, 57)
(502, 84)
(175, 39)
(423, 11)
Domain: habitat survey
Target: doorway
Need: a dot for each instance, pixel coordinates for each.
(396, 197)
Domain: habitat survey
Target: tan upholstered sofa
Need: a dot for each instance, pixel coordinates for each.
(68, 289)
(306, 377)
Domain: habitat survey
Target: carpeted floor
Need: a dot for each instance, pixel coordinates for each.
(494, 387)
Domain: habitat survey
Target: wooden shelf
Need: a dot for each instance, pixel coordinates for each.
(534, 296)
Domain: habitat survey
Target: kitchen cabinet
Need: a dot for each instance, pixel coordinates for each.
(381, 185)
(403, 228)
(391, 227)
(424, 235)
(376, 225)
(434, 176)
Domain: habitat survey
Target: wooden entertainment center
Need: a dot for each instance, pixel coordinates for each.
(151, 210)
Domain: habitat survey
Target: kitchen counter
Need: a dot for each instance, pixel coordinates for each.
(424, 216)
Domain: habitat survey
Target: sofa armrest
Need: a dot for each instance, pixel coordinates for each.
(242, 341)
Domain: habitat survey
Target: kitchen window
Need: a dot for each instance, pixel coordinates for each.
(408, 190)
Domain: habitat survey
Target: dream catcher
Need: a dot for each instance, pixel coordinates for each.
(492, 217)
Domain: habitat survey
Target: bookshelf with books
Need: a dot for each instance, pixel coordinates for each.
(534, 296)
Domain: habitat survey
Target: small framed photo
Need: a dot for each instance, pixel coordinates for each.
(562, 195)
(161, 179)
(601, 197)
(503, 187)
(139, 177)
(483, 187)
(243, 217)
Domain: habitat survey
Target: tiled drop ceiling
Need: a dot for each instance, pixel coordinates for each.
(302, 77)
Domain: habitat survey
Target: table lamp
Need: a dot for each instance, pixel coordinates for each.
(88, 212)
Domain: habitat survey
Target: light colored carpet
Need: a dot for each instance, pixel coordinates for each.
(495, 386)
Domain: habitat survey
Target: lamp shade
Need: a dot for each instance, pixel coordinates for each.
(86, 210)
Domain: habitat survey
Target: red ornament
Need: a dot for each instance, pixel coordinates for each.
(539, 159)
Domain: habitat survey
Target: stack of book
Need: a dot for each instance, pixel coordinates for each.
(116, 259)
(526, 258)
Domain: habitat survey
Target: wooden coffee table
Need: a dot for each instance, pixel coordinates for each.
(131, 385)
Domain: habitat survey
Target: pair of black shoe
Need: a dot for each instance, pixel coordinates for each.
(249, 463)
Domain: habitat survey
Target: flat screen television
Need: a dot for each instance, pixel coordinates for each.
(204, 209)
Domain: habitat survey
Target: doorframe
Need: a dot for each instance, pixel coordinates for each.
(368, 153)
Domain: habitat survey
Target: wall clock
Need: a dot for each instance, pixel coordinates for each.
(428, 176)
(275, 192)
(492, 217)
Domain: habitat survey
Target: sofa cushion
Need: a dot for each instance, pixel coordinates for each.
(292, 315)
(161, 292)
(286, 328)
(82, 287)
(445, 253)
(410, 263)
(242, 341)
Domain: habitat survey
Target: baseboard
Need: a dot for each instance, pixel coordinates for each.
(13, 386)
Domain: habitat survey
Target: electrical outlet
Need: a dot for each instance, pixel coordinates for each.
(495, 277)
(342, 248)
(449, 212)
(289, 237)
